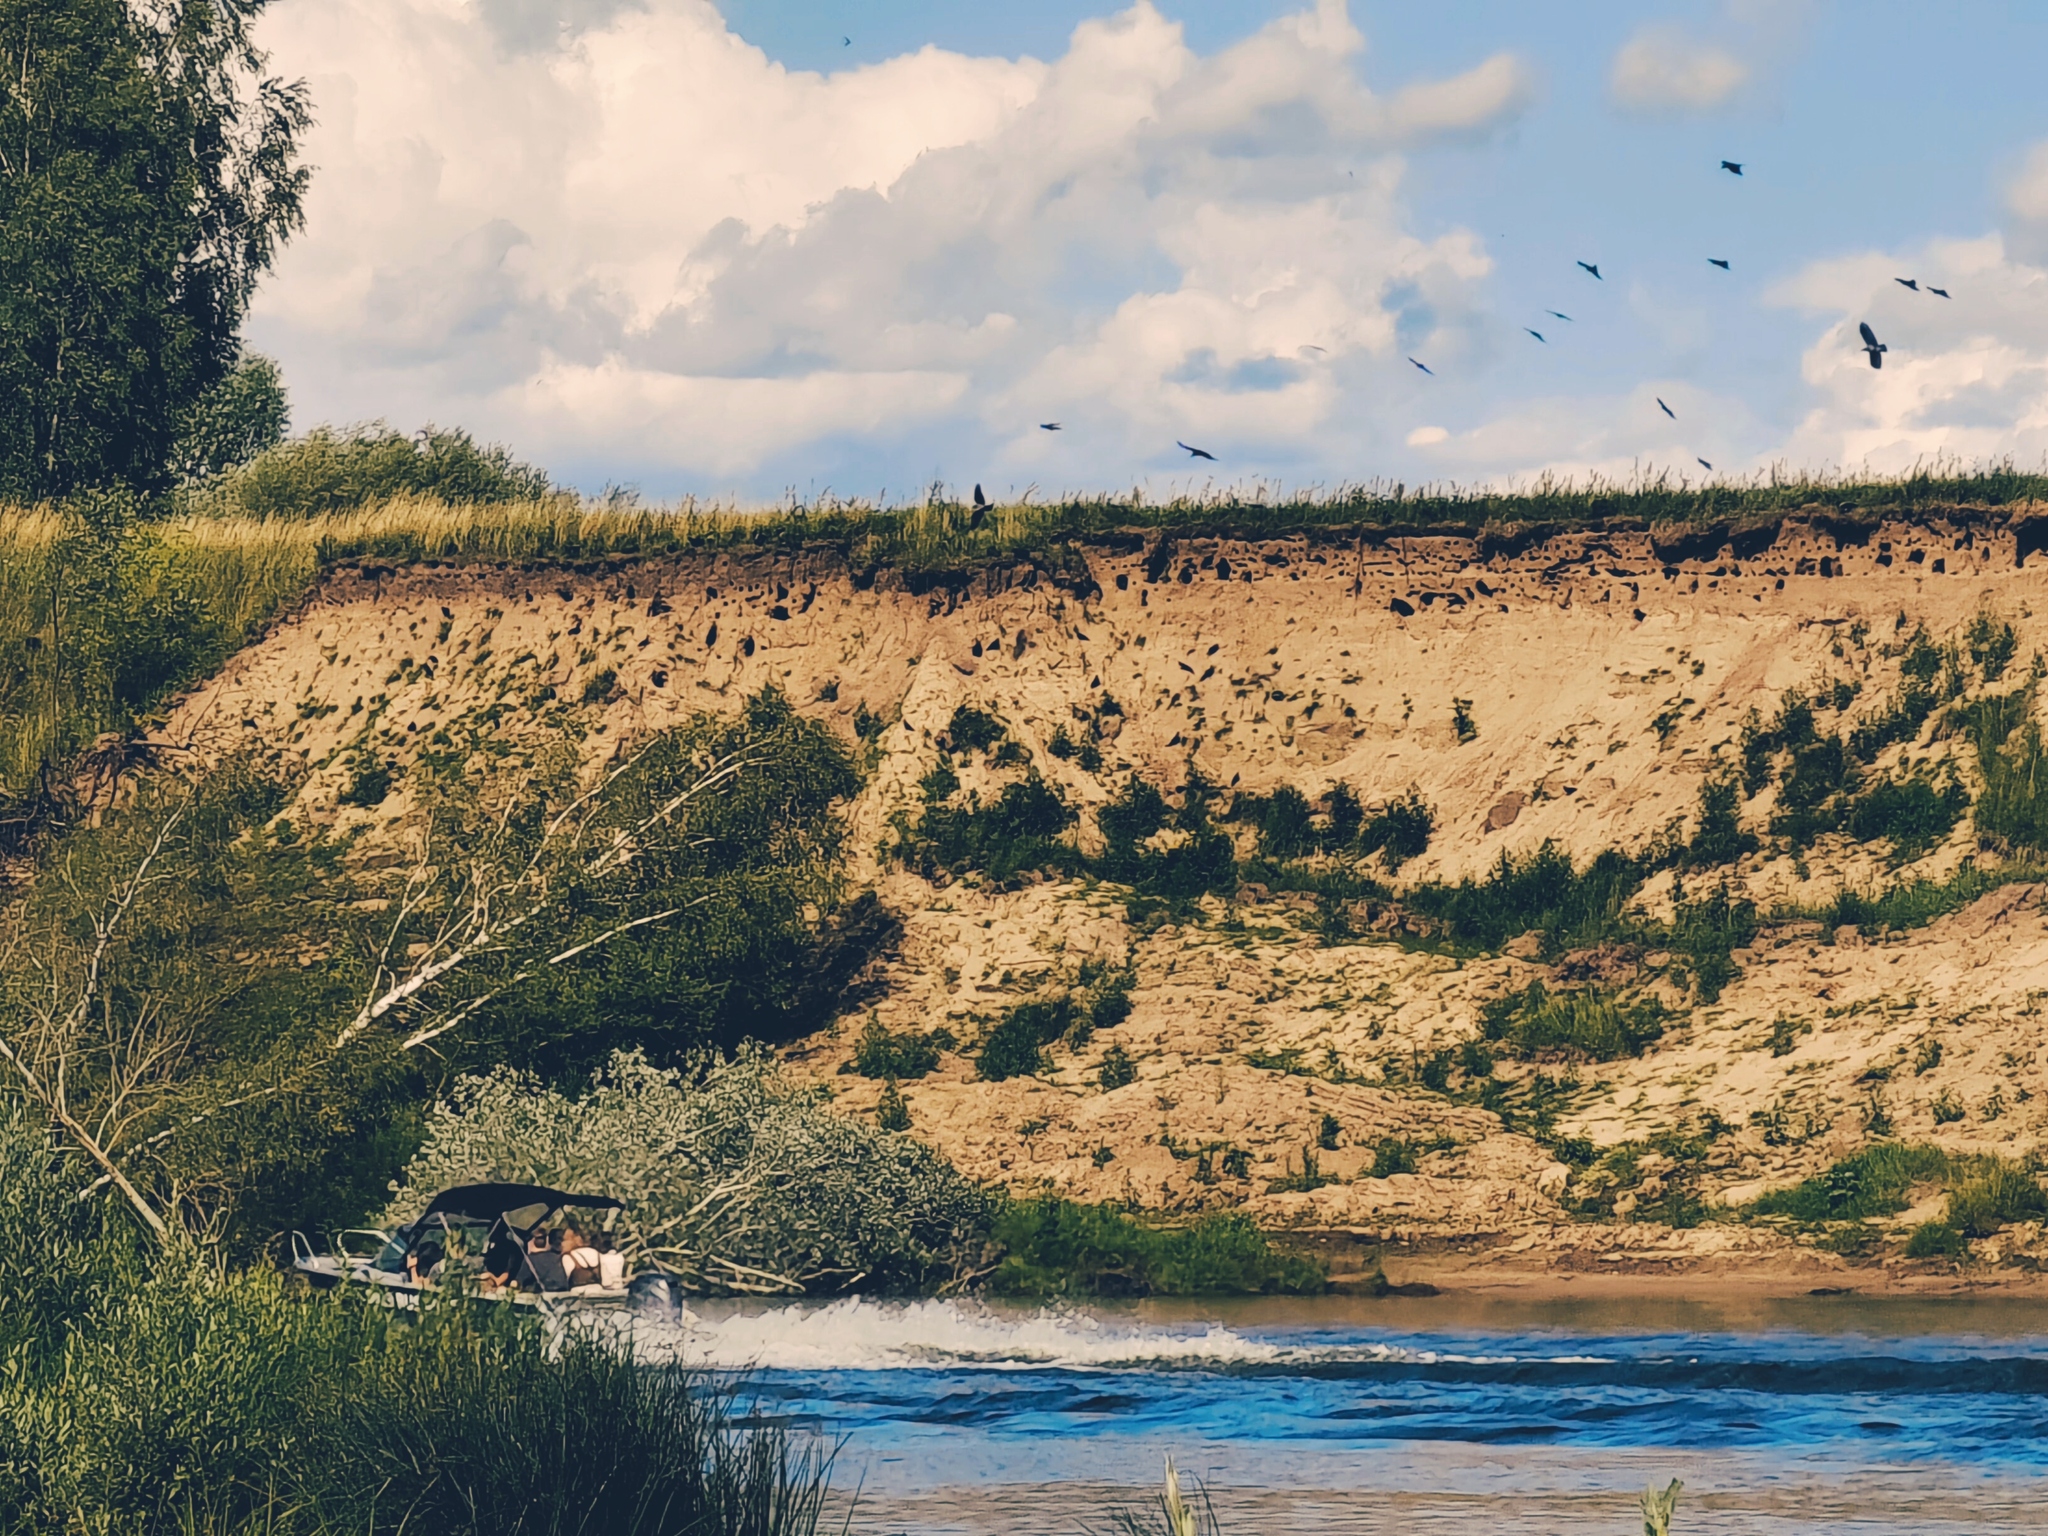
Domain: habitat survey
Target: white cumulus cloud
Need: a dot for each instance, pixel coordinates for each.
(637, 241)
(1662, 69)
(1965, 378)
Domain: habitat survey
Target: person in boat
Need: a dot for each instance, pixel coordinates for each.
(579, 1258)
(425, 1263)
(542, 1268)
(611, 1264)
(503, 1259)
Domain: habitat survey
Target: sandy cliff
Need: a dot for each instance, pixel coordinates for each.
(1606, 675)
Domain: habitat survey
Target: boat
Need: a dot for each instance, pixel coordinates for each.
(470, 1223)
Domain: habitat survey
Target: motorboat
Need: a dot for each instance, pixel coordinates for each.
(474, 1240)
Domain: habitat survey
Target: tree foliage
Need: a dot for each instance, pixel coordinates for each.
(735, 1179)
(148, 174)
(329, 471)
(679, 901)
(244, 415)
(199, 968)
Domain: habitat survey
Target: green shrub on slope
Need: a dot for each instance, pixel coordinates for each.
(1056, 1247)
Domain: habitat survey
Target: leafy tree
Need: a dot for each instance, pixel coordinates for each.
(735, 1178)
(149, 175)
(240, 417)
(329, 471)
(181, 980)
(692, 897)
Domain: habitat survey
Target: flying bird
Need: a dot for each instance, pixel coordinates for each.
(1560, 314)
(1732, 167)
(1942, 291)
(1715, 261)
(981, 502)
(1424, 367)
(1594, 268)
(1908, 282)
(1703, 464)
(1048, 426)
(846, 42)
(1872, 345)
(1198, 453)
(1537, 334)
(1667, 410)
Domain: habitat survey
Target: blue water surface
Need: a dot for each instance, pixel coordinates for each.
(884, 1375)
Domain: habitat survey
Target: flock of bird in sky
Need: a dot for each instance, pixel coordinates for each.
(1872, 347)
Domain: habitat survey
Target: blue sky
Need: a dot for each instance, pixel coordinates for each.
(715, 251)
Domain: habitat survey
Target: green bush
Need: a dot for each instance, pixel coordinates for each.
(1935, 1240)
(1992, 1192)
(1392, 1156)
(1902, 715)
(1015, 1047)
(600, 685)
(1116, 1069)
(329, 471)
(1874, 1182)
(1916, 903)
(1910, 812)
(2012, 810)
(891, 1113)
(1286, 830)
(1400, 832)
(1719, 838)
(974, 730)
(1813, 795)
(1021, 830)
(1055, 1247)
(1204, 861)
(1707, 930)
(1109, 1009)
(1346, 821)
(1589, 1025)
(1541, 890)
(1993, 644)
(883, 1054)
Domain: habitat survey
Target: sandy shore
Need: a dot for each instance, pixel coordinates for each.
(1573, 1264)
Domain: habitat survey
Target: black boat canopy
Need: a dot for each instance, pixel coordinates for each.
(488, 1202)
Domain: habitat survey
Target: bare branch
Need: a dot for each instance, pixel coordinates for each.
(485, 915)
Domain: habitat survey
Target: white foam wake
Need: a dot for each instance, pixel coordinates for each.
(862, 1334)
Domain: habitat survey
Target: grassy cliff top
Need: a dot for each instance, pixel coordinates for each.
(941, 531)
(99, 625)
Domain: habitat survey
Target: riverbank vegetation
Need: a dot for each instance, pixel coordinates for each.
(151, 1389)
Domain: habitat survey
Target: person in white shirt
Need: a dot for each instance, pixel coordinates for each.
(611, 1264)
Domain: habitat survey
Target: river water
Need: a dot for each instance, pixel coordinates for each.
(1437, 1414)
